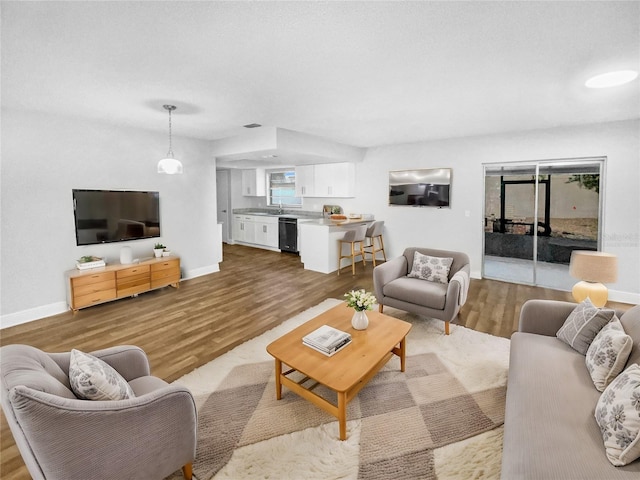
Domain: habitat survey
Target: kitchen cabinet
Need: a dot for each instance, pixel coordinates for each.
(266, 231)
(328, 180)
(254, 182)
(304, 180)
(256, 230)
(244, 228)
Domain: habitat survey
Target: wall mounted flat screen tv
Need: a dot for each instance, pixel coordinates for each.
(427, 187)
(103, 216)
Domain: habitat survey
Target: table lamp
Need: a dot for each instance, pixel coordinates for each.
(592, 269)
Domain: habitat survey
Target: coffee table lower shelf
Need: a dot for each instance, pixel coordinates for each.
(344, 397)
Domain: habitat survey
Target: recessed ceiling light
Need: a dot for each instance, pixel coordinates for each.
(611, 79)
(252, 125)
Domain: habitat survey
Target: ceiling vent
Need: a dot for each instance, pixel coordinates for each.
(252, 125)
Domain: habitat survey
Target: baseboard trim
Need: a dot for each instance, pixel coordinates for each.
(624, 297)
(31, 314)
(199, 272)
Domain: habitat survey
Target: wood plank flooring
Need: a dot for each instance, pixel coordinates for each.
(254, 291)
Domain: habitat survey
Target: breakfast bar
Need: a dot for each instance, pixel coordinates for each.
(319, 241)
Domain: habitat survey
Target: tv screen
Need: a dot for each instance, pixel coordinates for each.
(103, 216)
(427, 187)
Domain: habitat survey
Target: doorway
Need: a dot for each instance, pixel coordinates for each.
(536, 214)
(223, 200)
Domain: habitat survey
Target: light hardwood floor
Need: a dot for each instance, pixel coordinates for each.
(254, 291)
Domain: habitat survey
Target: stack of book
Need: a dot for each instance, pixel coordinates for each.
(327, 340)
(90, 262)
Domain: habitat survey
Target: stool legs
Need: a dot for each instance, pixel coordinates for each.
(353, 254)
(374, 250)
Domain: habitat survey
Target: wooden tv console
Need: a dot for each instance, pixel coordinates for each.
(86, 288)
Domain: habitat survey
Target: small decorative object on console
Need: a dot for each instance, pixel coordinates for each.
(360, 300)
(158, 249)
(89, 261)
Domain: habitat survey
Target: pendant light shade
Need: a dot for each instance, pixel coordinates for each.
(169, 165)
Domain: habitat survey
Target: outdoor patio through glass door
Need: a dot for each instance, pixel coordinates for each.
(536, 214)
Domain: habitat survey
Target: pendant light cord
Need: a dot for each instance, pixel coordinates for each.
(170, 153)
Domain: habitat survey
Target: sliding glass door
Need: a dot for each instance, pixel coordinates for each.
(536, 214)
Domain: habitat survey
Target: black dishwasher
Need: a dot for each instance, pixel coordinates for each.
(288, 234)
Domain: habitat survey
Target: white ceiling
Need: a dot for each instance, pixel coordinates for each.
(360, 73)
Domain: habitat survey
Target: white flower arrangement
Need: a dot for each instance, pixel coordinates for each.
(360, 300)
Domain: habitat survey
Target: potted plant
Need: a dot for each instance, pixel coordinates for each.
(158, 249)
(360, 301)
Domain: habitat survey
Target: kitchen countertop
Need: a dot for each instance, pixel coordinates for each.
(301, 215)
(325, 222)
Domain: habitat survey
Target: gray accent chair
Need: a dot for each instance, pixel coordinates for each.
(394, 288)
(62, 437)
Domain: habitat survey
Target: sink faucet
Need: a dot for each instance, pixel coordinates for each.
(280, 206)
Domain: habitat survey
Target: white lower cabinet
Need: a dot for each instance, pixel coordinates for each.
(267, 231)
(256, 229)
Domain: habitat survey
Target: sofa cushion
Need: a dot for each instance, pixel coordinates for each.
(583, 324)
(608, 353)
(93, 379)
(432, 269)
(618, 415)
(419, 292)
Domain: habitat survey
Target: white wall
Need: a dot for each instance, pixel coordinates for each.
(45, 157)
(455, 230)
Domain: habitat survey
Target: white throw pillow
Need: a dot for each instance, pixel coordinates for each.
(432, 269)
(583, 324)
(618, 415)
(608, 353)
(93, 379)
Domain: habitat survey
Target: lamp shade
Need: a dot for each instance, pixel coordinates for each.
(169, 166)
(593, 266)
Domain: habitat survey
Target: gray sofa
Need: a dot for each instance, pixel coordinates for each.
(550, 431)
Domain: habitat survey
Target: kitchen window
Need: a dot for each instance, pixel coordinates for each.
(282, 188)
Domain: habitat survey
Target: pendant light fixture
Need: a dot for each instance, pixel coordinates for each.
(169, 165)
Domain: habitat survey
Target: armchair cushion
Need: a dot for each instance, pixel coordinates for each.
(432, 269)
(418, 292)
(93, 379)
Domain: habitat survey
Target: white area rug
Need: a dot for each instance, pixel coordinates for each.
(474, 363)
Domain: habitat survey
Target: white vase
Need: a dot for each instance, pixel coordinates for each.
(360, 321)
(157, 252)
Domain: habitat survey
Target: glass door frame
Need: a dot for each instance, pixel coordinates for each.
(544, 165)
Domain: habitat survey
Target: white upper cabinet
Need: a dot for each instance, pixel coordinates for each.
(326, 180)
(254, 182)
(304, 180)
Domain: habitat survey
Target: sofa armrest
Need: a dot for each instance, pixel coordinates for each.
(544, 317)
(386, 272)
(100, 439)
(129, 361)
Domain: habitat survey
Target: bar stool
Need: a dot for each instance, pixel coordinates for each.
(352, 237)
(373, 232)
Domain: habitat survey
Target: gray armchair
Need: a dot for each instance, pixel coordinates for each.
(394, 288)
(62, 437)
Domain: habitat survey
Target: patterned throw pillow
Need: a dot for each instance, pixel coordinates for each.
(618, 415)
(608, 353)
(583, 324)
(432, 269)
(93, 379)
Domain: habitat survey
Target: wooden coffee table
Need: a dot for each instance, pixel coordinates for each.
(347, 371)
